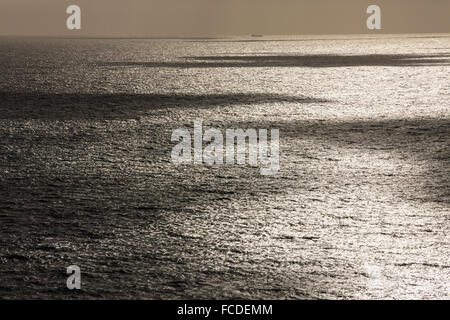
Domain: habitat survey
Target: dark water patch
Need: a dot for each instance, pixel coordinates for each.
(308, 61)
(432, 265)
(16, 257)
(72, 106)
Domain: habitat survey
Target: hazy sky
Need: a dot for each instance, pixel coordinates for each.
(220, 17)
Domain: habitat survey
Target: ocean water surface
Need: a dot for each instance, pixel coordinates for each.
(359, 209)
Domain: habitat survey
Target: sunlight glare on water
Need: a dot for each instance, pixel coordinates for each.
(359, 209)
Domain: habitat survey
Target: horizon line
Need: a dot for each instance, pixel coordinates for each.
(212, 37)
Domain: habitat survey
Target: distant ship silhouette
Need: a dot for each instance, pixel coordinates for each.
(257, 35)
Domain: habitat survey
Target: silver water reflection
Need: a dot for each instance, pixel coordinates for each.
(359, 209)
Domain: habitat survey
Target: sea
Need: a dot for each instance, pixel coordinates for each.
(359, 209)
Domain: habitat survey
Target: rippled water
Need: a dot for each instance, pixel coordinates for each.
(359, 209)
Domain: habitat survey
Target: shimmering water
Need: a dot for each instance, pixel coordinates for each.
(359, 209)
